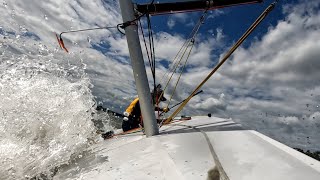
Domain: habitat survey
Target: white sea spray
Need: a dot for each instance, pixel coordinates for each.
(46, 108)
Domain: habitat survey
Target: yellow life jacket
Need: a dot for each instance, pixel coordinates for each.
(132, 105)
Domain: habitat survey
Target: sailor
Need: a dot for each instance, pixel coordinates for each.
(133, 118)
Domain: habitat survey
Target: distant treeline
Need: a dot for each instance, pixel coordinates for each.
(315, 155)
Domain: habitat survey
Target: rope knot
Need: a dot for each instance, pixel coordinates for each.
(128, 23)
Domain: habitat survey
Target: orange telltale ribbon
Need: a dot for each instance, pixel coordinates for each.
(61, 44)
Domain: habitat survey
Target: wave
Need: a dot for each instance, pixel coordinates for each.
(46, 108)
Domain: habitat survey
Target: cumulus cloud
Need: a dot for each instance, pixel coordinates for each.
(277, 76)
(215, 13)
(108, 68)
(179, 17)
(273, 82)
(171, 23)
(211, 103)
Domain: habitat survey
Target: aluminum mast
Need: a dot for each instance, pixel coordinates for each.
(139, 71)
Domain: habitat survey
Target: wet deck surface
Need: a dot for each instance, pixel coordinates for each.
(182, 152)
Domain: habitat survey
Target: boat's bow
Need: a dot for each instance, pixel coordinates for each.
(188, 149)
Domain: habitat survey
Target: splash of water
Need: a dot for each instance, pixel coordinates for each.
(45, 111)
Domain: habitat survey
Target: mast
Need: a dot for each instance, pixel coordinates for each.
(139, 71)
(137, 62)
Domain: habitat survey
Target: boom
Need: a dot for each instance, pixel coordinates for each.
(188, 6)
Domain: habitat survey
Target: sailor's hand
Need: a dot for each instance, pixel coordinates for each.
(165, 110)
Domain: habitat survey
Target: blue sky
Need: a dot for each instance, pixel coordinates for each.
(275, 72)
(271, 84)
(233, 20)
(255, 94)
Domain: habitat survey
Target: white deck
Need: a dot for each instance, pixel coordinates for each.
(182, 152)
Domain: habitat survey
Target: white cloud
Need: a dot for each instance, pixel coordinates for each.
(277, 75)
(181, 17)
(171, 23)
(273, 85)
(178, 17)
(211, 103)
(56, 100)
(215, 13)
(274, 82)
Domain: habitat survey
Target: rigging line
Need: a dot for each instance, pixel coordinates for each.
(132, 22)
(185, 50)
(229, 53)
(89, 29)
(184, 99)
(193, 33)
(198, 25)
(151, 43)
(185, 63)
(125, 24)
(151, 56)
(190, 42)
(60, 40)
(186, 44)
(145, 44)
(186, 60)
(180, 103)
(201, 20)
(153, 60)
(175, 87)
(175, 59)
(121, 25)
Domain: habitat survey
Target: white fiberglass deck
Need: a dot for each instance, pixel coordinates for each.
(181, 151)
